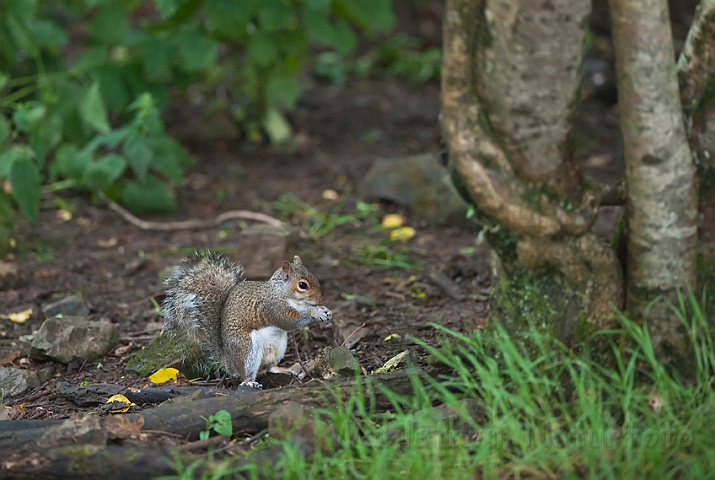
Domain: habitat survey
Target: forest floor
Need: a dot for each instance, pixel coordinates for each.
(117, 268)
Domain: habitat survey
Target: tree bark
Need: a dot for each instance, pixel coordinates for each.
(510, 82)
(696, 70)
(660, 174)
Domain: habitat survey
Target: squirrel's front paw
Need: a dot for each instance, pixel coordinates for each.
(252, 384)
(324, 314)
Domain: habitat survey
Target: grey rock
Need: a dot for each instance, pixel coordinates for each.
(335, 361)
(70, 305)
(15, 381)
(417, 182)
(60, 339)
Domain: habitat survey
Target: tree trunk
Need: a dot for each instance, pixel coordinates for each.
(660, 174)
(696, 69)
(510, 82)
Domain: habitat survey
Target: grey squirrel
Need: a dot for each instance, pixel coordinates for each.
(238, 323)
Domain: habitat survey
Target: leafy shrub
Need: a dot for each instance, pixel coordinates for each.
(83, 82)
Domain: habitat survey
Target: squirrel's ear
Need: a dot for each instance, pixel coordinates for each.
(287, 269)
(297, 260)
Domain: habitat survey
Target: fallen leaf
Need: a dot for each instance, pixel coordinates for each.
(392, 336)
(18, 317)
(655, 401)
(163, 375)
(330, 194)
(121, 399)
(9, 358)
(65, 215)
(109, 243)
(393, 220)
(123, 426)
(402, 234)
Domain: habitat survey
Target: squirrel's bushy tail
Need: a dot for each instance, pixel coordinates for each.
(195, 295)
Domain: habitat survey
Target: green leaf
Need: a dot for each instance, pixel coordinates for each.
(13, 154)
(221, 422)
(319, 5)
(70, 162)
(139, 152)
(92, 110)
(345, 39)
(338, 35)
(228, 18)
(282, 93)
(5, 129)
(156, 57)
(25, 183)
(368, 14)
(275, 15)
(50, 134)
(28, 116)
(277, 127)
(111, 25)
(92, 57)
(261, 49)
(101, 174)
(23, 9)
(46, 33)
(115, 91)
(169, 158)
(151, 194)
(18, 33)
(196, 51)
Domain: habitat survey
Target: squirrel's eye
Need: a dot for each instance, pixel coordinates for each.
(303, 285)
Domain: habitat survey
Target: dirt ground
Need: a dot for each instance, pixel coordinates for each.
(117, 267)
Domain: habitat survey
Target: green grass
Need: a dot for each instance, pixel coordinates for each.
(545, 414)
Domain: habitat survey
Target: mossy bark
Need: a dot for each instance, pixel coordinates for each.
(510, 82)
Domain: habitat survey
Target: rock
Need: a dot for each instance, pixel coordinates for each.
(335, 361)
(261, 250)
(60, 339)
(417, 182)
(69, 305)
(15, 381)
(9, 275)
(82, 429)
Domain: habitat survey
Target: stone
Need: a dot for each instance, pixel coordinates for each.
(16, 381)
(417, 182)
(60, 339)
(335, 361)
(69, 305)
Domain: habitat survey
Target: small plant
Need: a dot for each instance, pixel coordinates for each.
(383, 254)
(219, 422)
(321, 222)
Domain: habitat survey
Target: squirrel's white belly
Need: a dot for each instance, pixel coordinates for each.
(272, 343)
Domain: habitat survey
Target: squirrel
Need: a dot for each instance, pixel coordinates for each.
(239, 323)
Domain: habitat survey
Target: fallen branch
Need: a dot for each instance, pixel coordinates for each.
(189, 224)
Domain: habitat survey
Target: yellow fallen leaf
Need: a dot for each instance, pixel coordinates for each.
(65, 215)
(393, 220)
(18, 317)
(330, 194)
(163, 375)
(403, 234)
(119, 398)
(392, 336)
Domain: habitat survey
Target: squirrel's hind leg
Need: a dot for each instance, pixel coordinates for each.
(275, 342)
